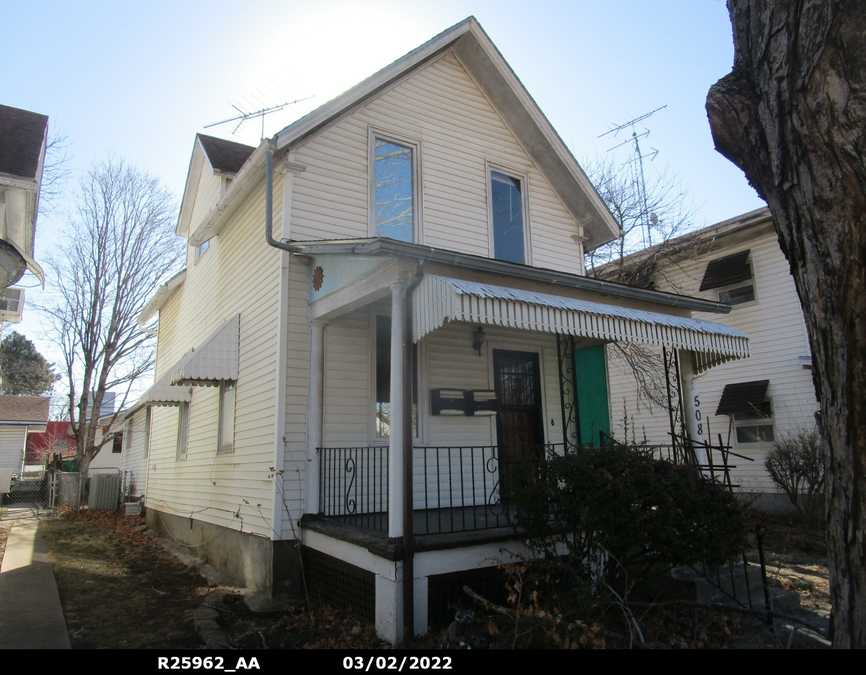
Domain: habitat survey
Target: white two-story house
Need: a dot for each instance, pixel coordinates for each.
(384, 308)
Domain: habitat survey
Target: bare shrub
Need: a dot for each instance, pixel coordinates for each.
(796, 465)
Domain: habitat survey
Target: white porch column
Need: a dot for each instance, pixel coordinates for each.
(315, 408)
(395, 445)
(692, 413)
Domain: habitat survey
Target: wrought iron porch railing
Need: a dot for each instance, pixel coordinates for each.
(455, 488)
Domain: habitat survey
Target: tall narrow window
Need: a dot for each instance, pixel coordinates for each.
(382, 420)
(147, 431)
(393, 190)
(226, 435)
(182, 429)
(507, 218)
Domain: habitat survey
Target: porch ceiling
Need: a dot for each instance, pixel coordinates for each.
(440, 299)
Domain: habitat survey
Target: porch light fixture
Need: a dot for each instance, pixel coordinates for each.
(478, 340)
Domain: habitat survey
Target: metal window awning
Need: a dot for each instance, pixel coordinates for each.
(440, 299)
(214, 361)
(725, 271)
(163, 393)
(744, 397)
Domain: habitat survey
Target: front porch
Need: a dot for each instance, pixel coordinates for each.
(426, 391)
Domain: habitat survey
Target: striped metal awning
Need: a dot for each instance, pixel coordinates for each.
(163, 393)
(440, 299)
(214, 361)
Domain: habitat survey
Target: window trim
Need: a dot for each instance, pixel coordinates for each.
(182, 430)
(420, 376)
(417, 208)
(758, 421)
(148, 419)
(741, 284)
(523, 177)
(226, 448)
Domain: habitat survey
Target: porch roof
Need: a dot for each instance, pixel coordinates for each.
(439, 299)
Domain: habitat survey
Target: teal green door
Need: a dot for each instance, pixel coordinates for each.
(592, 403)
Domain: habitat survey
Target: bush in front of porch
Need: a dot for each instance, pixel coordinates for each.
(623, 515)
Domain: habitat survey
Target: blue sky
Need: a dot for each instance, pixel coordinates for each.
(141, 79)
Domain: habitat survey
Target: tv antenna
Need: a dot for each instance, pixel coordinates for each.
(648, 220)
(244, 115)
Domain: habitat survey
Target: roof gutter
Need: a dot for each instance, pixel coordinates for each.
(379, 246)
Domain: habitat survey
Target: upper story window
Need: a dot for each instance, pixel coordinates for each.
(732, 279)
(394, 188)
(507, 217)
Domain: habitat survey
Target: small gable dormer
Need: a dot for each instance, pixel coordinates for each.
(214, 164)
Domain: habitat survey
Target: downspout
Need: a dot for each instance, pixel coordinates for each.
(269, 201)
(408, 522)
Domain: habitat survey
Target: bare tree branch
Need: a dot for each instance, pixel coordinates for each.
(119, 248)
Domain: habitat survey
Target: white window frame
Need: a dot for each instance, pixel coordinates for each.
(147, 422)
(182, 430)
(524, 196)
(755, 422)
(226, 447)
(417, 210)
(741, 284)
(420, 438)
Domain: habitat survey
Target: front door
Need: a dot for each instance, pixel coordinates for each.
(520, 416)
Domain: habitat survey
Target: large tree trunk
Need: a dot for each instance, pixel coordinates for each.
(792, 115)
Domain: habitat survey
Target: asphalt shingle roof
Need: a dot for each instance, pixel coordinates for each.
(225, 155)
(24, 408)
(21, 136)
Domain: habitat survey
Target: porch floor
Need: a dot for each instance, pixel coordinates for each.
(435, 529)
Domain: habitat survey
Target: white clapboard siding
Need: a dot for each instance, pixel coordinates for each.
(459, 132)
(134, 459)
(239, 273)
(776, 328)
(12, 440)
(207, 195)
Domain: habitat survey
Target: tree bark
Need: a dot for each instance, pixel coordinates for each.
(792, 115)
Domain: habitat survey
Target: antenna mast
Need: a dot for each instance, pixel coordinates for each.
(647, 219)
(244, 116)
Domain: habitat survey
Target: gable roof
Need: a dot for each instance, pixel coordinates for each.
(225, 156)
(24, 409)
(22, 140)
(217, 155)
(489, 70)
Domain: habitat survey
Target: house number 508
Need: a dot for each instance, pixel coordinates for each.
(698, 416)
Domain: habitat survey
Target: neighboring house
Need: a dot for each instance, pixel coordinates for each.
(23, 137)
(55, 441)
(749, 403)
(419, 323)
(19, 417)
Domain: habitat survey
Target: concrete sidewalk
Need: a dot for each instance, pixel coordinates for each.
(30, 613)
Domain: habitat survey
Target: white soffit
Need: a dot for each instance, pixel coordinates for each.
(440, 299)
(214, 361)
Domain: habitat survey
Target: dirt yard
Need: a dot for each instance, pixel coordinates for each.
(121, 589)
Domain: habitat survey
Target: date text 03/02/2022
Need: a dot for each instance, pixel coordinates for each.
(396, 663)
